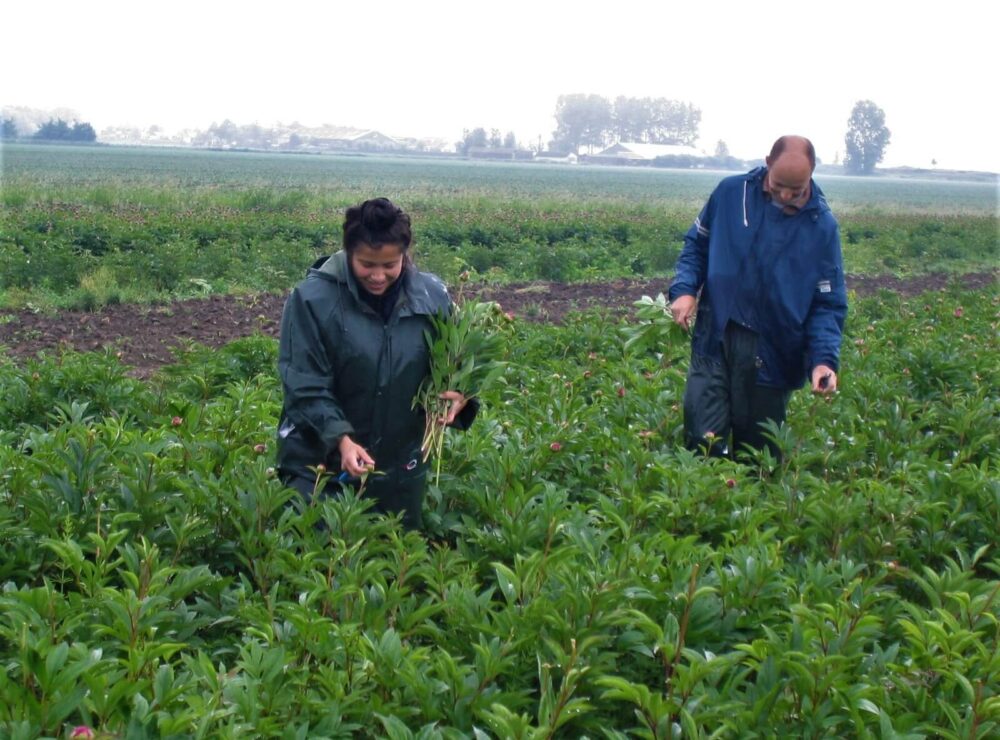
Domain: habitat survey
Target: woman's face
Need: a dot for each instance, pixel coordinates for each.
(377, 269)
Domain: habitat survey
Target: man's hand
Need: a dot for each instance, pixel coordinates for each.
(683, 310)
(824, 380)
(354, 458)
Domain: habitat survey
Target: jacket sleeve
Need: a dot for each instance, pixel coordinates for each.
(307, 376)
(692, 265)
(825, 323)
(467, 415)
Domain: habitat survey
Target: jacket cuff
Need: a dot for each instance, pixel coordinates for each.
(830, 362)
(333, 432)
(467, 415)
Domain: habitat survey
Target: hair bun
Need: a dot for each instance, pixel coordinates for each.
(376, 222)
(378, 214)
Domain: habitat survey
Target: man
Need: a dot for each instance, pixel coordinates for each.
(762, 266)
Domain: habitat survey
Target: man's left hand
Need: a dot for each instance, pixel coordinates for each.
(824, 380)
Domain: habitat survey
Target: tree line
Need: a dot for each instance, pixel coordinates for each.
(591, 121)
(582, 120)
(55, 129)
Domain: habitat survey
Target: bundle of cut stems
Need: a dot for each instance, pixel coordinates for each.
(466, 348)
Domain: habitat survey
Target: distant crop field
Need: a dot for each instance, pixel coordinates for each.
(82, 226)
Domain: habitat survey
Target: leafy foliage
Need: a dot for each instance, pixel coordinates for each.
(582, 574)
(81, 227)
(465, 347)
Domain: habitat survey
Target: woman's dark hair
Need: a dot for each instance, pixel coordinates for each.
(376, 222)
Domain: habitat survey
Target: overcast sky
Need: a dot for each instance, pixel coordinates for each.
(432, 68)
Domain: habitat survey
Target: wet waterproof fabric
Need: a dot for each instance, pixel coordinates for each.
(723, 396)
(346, 370)
(779, 275)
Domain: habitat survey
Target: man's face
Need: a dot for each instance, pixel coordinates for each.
(788, 180)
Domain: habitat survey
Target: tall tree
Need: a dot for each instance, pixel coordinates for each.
(55, 129)
(674, 122)
(83, 131)
(632, 118)
(581, 120)
(867, 138)
(655, 121)
(477, 138)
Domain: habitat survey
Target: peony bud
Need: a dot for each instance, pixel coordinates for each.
(176, 421)
(555, 447)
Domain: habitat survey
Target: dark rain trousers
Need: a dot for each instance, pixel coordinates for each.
(722, 398)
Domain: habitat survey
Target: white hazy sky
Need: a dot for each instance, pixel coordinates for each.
(435, 67)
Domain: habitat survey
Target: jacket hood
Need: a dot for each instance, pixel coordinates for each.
(425, 293)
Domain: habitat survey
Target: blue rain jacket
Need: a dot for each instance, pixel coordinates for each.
(781, 276)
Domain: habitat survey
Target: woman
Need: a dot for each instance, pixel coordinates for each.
(351, 358)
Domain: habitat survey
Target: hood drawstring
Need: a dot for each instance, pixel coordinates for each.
(746, 222)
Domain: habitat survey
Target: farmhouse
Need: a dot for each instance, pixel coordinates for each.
(344, 137)
(640, 152)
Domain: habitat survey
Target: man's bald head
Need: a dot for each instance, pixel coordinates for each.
(789, 172)
(797, 145)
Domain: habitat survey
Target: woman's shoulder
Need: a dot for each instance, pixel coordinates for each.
(427, 292)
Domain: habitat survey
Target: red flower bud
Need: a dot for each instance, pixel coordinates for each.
(260, 449)
(621, 392)
(730, 483)
(176, 421)
(555, 447)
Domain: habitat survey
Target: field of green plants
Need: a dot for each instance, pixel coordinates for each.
(581, 575)
(81, 227)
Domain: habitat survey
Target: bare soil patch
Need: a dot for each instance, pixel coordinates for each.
(145, 336)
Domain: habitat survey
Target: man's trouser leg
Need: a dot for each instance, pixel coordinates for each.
(706, 406)
(723, 396)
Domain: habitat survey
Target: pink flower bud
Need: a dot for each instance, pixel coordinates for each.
(82, 732)
(555, 446)
(260, 449)
(621, 392)
(176, 421)
(730, 483)
(958, 312)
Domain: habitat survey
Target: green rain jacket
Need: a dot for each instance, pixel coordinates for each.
(346, 371)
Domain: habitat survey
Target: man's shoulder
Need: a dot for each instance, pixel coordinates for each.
(736, 183)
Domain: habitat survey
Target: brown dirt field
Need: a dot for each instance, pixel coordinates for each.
(145, 335)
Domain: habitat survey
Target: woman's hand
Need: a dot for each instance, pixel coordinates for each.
(457, 403)
(354, 459)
